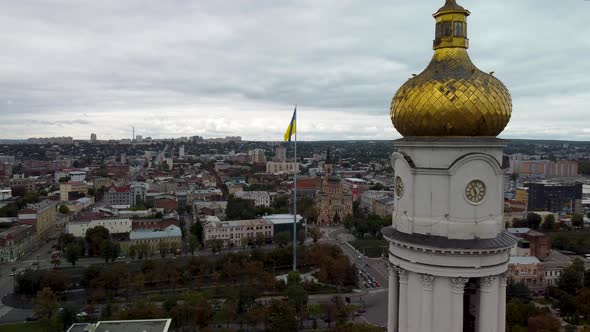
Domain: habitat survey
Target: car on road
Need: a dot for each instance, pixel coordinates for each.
(362, 310)
(32, 318)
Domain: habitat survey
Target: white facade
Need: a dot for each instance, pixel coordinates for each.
(5, 193)
(114, 225)
(281, 167)
(138, 192)
(236, 232)
(447, 249)
(260, 198)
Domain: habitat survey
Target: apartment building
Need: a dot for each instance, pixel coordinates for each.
(42, 216)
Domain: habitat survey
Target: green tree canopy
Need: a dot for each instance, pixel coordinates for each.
(578, 220)
(94, 237)
(45, 304)
(281, 317)
(548, 222)
(533, 220)
(73, 253)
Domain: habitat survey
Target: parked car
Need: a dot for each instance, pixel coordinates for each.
(32, 318)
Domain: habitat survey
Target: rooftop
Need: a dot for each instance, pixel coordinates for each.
(518, 230)
(281, 218)
(520, 260)
(143, 234)
(143, 325)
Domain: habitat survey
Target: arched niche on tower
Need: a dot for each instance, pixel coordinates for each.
(476, 197)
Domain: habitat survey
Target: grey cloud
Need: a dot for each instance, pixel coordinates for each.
(142, 62)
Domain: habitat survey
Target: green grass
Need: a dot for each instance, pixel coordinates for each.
(371, 247)
(23, 327)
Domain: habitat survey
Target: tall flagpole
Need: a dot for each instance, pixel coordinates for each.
(295, 199)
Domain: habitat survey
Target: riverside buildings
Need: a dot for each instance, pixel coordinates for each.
(449, 251)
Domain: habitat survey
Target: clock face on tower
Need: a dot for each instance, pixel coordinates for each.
(475, 191)
(399, 187)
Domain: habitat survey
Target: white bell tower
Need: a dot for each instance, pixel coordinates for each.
(448, 250)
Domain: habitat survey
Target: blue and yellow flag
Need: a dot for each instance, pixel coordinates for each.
(292, 126)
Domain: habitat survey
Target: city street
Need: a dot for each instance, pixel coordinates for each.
(373, 300)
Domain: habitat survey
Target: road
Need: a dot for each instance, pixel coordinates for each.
(41, 255)
(373, 300)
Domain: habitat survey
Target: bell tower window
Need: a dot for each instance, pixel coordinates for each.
(438, 32)
(458, 29)
(446, 29)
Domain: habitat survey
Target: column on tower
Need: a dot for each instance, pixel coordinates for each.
(487, 318)
(502, 303)
(457, 290)
(426, 318)
(393, 307)
(403, 300)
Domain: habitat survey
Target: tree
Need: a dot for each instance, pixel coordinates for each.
(518, 290)
(544, 323)
(163, 248)
(193, 243)
(571, 279)
(94, 237)
(54, 280)
(132, 251)
(109, 250)
(215, 245)
(259, 239)
(533, 220)
(73, 253)
(45, 304)
(548, 222)
(203, 314)
(329, 311)
(282, 238)
(240, 209)
(296, 294)
(281, 317)
(56, 262)
(518, 313)
(519, 222)
(64, 209)
(315, 233)
(197, 230)
(577, 220)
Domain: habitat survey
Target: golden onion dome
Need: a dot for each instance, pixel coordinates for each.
(451, 97)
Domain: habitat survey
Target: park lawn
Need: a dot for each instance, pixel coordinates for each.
(23, 327)
(371, 247)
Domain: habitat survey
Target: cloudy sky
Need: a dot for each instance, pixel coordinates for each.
(236, 67)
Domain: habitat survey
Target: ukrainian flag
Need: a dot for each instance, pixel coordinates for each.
(292, 126)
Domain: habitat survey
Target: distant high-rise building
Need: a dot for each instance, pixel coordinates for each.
(93, 137)
(138, 138)
(281, 153)
(257, 156)
(181, 151)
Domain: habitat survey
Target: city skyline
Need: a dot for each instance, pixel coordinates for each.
(218, 70)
